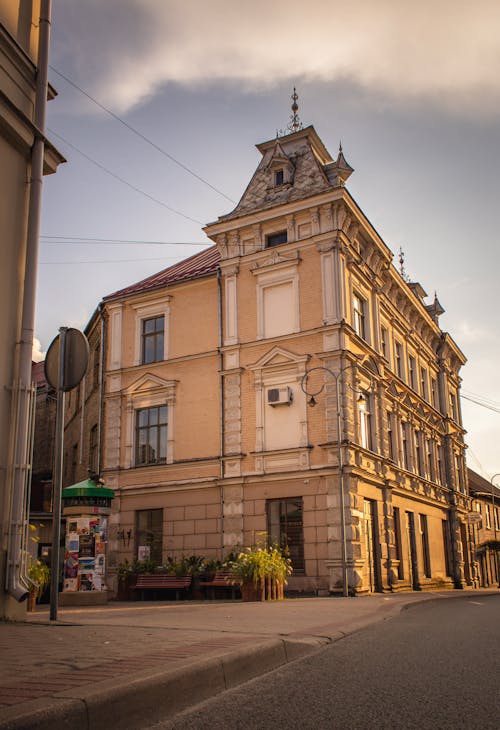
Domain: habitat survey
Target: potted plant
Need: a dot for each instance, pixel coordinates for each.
(261, 573)
(39, 575)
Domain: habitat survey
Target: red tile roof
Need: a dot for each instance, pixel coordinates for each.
(194, 267)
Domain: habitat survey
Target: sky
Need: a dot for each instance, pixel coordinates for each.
(411, 90)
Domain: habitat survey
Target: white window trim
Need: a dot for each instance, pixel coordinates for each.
(162, 395)
(148, 310)
(280, 275)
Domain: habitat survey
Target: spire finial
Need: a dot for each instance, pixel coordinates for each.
(340, 147)
(295, 124)
(402, 264)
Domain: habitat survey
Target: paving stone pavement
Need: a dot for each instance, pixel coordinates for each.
(53, 674)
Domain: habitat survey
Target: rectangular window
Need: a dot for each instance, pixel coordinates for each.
(398, 355)
(405, 445)
(151, 436)
(424, 391)
(358, 313)
(424, 534)
(487, 516)
(279, 177)
(365, 422)
(384, 342)
(434, 393)
(149, 534)
(447, 547)
(454, 407)
(275, 239)
(390, 435)
(285, 528)
(153, 334)
(418, 454)
(430, 459)
(441, 475)
(93, 451)
(398, 545)
(412, 372)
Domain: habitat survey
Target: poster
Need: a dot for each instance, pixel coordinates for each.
(71, 565)
(86, 581)
(82, 525)
(86, 546)
(70, 584)
(100, 564)
(143, 553)
(86, 564)
(99, 547)
(73, 542)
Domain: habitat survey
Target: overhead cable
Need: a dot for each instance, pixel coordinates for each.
(122, 180)
(141, 135)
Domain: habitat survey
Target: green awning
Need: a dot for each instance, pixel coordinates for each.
(88, 488)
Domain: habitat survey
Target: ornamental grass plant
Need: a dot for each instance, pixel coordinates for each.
(263, 569)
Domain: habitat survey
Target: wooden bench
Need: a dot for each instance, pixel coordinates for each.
(223, 579)
(161, 582)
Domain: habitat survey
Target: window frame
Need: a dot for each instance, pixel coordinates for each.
(298, 562)
(156, 553)
(279, 238)
(157, 336)
(160, 427)
(151, 310)
(359, 314)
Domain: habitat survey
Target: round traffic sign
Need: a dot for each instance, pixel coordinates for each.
(76, 360)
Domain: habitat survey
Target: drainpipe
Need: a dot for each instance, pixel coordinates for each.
(17, 579)
(101, 390)
(221, 404)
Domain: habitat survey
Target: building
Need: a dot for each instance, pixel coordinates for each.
(25, 154)
(211, 365)
(485, 533)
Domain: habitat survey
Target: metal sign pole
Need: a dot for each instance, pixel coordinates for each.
(57, 488)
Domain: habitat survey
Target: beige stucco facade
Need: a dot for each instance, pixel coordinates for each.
(302, 282)
(19, 31)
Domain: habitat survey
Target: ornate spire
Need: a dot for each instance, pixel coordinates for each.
(294, 125)
(402, 270)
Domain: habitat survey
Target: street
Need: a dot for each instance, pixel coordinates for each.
(436, 665)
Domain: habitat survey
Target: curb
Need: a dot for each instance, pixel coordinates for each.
(153, 696)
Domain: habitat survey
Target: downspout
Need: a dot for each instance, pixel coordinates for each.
(17, 578)
(221, 405)
(101, 391)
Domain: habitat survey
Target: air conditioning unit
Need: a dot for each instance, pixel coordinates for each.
(280, 396)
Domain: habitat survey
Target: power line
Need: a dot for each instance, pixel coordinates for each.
(479, 403)
(488, 401)
(104, 261)
(125, 182)
(142, 136)
(77, 240)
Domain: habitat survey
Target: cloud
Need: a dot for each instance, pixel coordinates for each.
(37, 354)
(126, 50)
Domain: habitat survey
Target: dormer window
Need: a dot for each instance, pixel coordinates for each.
(279, 177)
(275, 239)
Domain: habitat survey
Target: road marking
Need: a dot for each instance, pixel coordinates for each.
(476, 603)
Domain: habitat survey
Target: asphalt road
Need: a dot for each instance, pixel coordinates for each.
(436, 665)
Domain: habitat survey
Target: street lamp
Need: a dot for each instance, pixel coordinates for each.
(337, 377)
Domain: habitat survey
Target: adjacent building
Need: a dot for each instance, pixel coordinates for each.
(211, 367)
(25, 154)
(485, 530)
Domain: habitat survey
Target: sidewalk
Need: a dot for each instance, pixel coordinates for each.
(128, 665)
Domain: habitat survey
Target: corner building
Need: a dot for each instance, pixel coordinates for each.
(209, 440)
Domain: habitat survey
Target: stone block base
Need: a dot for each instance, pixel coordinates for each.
(83, 598)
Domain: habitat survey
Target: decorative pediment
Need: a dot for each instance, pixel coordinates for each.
(274, 259)
(148, 383)
(278, 357)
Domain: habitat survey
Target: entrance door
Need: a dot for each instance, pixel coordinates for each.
(412, 550)
(372, 562)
